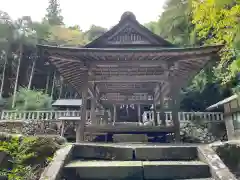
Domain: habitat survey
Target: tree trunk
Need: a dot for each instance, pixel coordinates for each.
(17, 76)
(3, 73)
(32, 74)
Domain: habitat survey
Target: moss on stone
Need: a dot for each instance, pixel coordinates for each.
(229, 153)
(30, 154)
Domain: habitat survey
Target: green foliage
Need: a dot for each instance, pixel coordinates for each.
(31, 100)
(53, 15)
(174, 24)
(94, 32)
(29, 154)
(65, 36)
(27, 33)
(42, 30)
(217, 22)
(6, 30)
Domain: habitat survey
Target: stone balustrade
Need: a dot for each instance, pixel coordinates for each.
(39, 115)
(184, 117)
(49, 122)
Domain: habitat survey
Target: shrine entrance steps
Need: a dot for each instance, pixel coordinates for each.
(121, 161)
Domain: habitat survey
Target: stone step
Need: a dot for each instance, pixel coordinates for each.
(166, 153)
(148, 170)
(198, 179)
(175, 170)
(130, 138)
(102, 152)
(104, 170)
(122, 152)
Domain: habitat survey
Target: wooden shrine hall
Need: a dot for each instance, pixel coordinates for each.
(128, 65)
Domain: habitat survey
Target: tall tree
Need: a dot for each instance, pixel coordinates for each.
(53, 15)
(24, 35)
(60, 35)
(6, 36)
(94, 32)
(177, 26)
(217, 22)
(174, 24)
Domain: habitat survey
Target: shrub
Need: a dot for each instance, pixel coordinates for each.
(31, 100)
(30, 155)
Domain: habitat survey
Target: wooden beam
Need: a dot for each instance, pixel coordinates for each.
(157, 91)
(117, 79)
(61, 58)
(92, 89)
(72, 73)
(126, 91)
(70, 69)
(128, 52)
(146, 102)
(132, 63)
(73, 80)
(145, 63)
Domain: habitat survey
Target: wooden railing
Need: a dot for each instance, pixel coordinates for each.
(184, 117)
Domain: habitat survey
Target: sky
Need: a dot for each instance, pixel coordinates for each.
(84, 13)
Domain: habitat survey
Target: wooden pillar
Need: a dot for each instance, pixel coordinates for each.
(61, 88)
(105, 116)
(93, 109)
(162, 110)
(139, 113)
(114, 113)
(155, 113)
(81, 125)
(110, 115)
(53, 84)
(175, 109)
(47, 82)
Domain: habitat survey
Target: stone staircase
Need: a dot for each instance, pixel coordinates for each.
(135, 162)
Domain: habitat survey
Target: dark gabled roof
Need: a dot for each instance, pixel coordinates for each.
(128, 20)
(129, 58)
(211, 48)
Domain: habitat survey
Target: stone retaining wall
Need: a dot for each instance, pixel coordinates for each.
(219, 170)
(30, 127)
(54, 169)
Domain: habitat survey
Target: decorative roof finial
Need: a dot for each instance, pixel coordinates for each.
(129, 15)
